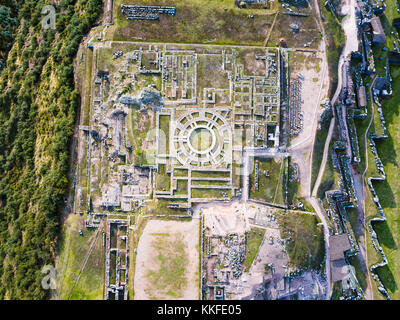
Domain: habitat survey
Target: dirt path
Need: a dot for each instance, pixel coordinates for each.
(350, 29)
(366, 131)
(321, 215)
(302, 148)
(87, 257)
(324, 158)
(270, 30)
(363, 236)
(351, 44)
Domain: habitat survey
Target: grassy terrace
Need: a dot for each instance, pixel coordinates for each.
(161, 207)
(196, 21)
(336, 291)
(140, 223)
(330, 177)
(292, 187)
(105, 60)
(210, 174)
(87, 87)
(163, 147)
(309, 32)
(217, 22)
(254, 239)
(306, 249)
(335, 41)
(389, 190)
(73, 250)
(270, 183)
(361, 277)
(181, 187)
(318, 151)
(211, 193)
(389, 193)
(163, 179)
(172, 258)
(180, 173)
(209, 183)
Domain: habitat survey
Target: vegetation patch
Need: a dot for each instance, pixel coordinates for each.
(388, 150)
(254, 238)
(270, 180)
(304, 240)
(38, 103)
(335, 39)
(73, 250)
(169, 276)
(163, 179)
(163, 147)
(195, 21)
(211, 193)
(319, 144)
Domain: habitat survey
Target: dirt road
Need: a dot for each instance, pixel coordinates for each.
(351, 44)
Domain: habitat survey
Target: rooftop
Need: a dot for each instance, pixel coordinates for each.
(339, 244)
(377, 29)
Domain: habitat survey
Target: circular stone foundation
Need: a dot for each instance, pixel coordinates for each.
(201, 140)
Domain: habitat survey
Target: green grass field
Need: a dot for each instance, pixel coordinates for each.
(254, 239)
(306, 249)
(270, 183)
(169, 278)
(181, 187)
(389, 190)
(210, 174)
(211, 193)
(329, 177)
(335, 40)
(361, 277)
(87, 86)
(161, 207)
(140, 224)
(163, 147)
(318, 150)
(195, 21)
(163, 179)
(73, 250)
(308, 34)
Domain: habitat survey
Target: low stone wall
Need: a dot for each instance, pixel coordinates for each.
(382, 218)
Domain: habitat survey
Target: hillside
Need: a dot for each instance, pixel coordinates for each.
(38, 104)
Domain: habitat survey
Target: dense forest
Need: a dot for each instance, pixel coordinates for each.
(8, 22)
(38, 104)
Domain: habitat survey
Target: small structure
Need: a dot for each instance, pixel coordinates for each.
(294, 27)
(129, 100)
(382, 87)
(339, 245)
(394, 57)
(362, 97)
(396, 23)
(245, 3)
(378, 34)
(137, 12)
